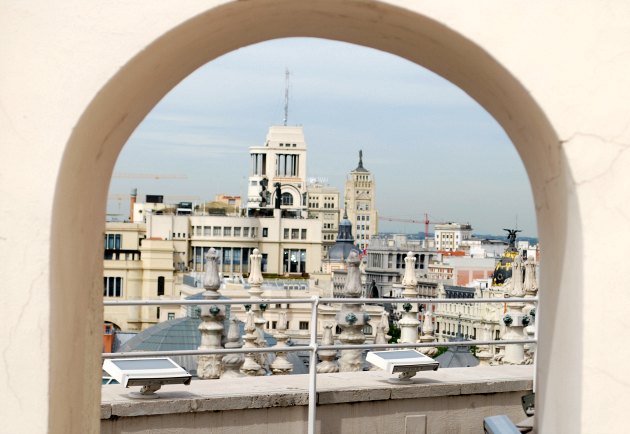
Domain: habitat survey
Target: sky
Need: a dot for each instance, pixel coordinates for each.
(430, 147)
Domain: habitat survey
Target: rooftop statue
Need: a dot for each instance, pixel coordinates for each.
(512, 237)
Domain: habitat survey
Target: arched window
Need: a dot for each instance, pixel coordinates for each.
(287, 199)
(160, 286)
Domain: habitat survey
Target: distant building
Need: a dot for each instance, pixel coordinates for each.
(278, 168)
(150, 260)
(323, 204)
(360, 198)
(450, 236)
(386, 263)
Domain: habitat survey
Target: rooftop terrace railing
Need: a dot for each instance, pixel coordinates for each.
(313, 347)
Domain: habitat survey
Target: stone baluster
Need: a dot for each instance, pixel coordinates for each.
(485, 354)
(352, 318)
(255, 291)
(409, 322)
(427, 334)
(232, 362)
(514, 319)
(250, 365)
(280, 365)
(328, 363)
(530, 285)
(382, 328)
(211, 327)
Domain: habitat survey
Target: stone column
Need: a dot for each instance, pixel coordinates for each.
(409, 322)
(352, 318)
(531, 290)
(250, 365)
(513, 319)
(327, 357)
(232, 362)
(281, 366)
(255, 291)
(211, 327)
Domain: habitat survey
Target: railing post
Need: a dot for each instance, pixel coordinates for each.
(312, 370)
(211, 327)
(352, 318)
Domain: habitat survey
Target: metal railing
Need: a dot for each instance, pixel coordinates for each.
(313, 347)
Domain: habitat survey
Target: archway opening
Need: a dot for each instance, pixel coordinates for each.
(125, 100)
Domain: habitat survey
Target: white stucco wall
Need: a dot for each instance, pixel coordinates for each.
(78, 77)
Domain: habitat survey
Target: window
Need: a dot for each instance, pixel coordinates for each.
(274, 324)
(303, 234)
(265, 233)
(295, 234)
(287, 164)
(227, 231)
(286, 199)
(171, 315)
(294, 261)
(112, 286)
(367, 329)
(157, 313)
(160, 285)
(303, 325)
(263, 263)
(206, 231)
(112, 241)
(237, 232)
(246, 232)
(286, 233)
(216, 231)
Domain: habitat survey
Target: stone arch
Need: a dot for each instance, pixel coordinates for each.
(135, 87)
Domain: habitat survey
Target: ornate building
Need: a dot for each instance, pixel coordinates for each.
(360, 197)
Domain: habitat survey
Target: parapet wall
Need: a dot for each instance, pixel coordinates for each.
(448, 400)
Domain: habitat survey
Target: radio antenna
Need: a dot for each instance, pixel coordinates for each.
(286, 96)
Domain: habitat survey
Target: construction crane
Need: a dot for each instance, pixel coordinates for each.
(167, 199)
(426, 222)
(149, 175)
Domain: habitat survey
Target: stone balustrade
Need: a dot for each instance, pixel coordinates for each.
(446, 400)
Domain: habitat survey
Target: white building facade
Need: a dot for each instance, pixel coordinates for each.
(449, 236)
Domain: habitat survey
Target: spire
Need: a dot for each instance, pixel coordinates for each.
(360, 167)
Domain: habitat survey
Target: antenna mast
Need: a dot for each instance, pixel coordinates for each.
(286, 96)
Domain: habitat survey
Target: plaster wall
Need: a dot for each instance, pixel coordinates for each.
(82, 75)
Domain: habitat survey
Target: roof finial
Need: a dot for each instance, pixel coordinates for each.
(361, 158)
(345, 210)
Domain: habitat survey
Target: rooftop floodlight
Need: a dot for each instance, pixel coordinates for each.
(150, 373)
(404, 362)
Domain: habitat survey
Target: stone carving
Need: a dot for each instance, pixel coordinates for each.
(409, 322)
(211, 327)
(281, 366)
(351, 319)
(232, 362)
(427, 334)
(250, 365)
(256, 280)
(513, 319)
(327, 357)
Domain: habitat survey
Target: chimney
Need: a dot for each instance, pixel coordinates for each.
(132, 201)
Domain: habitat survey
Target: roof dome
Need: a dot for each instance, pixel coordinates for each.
(345, 241)
(183, 334)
